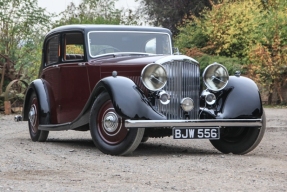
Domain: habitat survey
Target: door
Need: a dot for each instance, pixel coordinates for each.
(74, 84)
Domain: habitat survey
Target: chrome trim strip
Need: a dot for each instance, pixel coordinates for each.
(193, 123)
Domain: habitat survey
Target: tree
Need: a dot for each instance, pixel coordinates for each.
(95, 12)
(170, 13)
(268, 57)
(22, 22)
(253, 31)
(227, 30)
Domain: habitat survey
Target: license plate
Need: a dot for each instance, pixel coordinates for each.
(196, 133)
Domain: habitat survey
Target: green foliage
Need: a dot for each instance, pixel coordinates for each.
(231, 64)
(95, 12)
(268, 57)
(170, 13)
(255, 31)
(30, 64)
(22, 23)
(191, 35)
(227, 30)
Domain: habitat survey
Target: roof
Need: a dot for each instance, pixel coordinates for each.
(93, 27)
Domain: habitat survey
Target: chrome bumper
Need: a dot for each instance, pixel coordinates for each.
(194, 123)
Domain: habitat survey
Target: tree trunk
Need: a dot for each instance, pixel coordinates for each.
(270, 96)
(7, 107)
(2, 78)
(279, 93)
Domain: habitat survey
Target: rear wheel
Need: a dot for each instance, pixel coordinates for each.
(108, 131)
(33, 122)
(240, 140)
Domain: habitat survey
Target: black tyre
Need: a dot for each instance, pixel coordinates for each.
(108, 131)
(33, 122)
(144, 139)
(240, 140)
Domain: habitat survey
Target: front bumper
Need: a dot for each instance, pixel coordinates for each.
(193, 123)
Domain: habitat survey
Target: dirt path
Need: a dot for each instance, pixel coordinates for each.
(68, 161)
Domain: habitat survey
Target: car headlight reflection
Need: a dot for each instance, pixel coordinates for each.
(215, 77)
(154, 76)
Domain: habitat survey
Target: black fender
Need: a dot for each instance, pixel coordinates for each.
(39, 87)
(240, 99)
(128, 100)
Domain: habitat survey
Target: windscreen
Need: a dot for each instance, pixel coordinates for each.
(104, 42)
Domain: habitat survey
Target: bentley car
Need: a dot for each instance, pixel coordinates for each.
(126, 84)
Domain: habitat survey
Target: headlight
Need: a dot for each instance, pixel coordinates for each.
(187, 104)
(215, 77)
(154, 76)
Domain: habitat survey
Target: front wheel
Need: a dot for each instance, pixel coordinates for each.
(33, 122)
(240, 140)
(108, 131)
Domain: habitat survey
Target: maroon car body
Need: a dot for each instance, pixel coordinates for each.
(125, 84)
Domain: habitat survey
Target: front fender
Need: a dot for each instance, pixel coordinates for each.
(240, 99)
(39, 87)
(128, 100)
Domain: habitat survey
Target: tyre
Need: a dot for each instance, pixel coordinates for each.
(108, 131)
(240, 140)
(144, 139)
(33, 122)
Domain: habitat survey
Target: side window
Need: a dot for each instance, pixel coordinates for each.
(73, 46)
(53, 50)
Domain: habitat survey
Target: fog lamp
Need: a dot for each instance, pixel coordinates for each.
(164, 97)
(187, 104)
(209, 98)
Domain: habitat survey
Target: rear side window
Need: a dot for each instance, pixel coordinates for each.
(73, 46)
(53, 50)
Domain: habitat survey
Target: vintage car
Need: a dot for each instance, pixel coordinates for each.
(125, 84)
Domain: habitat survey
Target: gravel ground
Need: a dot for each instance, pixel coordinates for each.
(69, 161)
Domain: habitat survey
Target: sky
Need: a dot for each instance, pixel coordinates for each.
(57, 6)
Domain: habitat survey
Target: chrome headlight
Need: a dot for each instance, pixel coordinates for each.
(215, 77)
(154, 76)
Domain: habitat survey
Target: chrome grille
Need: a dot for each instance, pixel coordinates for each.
(183, 81)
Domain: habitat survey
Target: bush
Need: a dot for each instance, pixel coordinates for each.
(231, 64)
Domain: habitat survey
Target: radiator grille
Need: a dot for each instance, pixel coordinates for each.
(183, 81)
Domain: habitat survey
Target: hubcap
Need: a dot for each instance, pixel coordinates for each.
(33, 115)
(110, 122)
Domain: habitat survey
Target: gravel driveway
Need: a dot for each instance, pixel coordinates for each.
(69, 161)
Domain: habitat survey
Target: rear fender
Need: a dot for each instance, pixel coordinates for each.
(39, 87)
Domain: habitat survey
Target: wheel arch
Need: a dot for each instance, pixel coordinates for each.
(124, 93)
(240, 99)
(38, 86)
